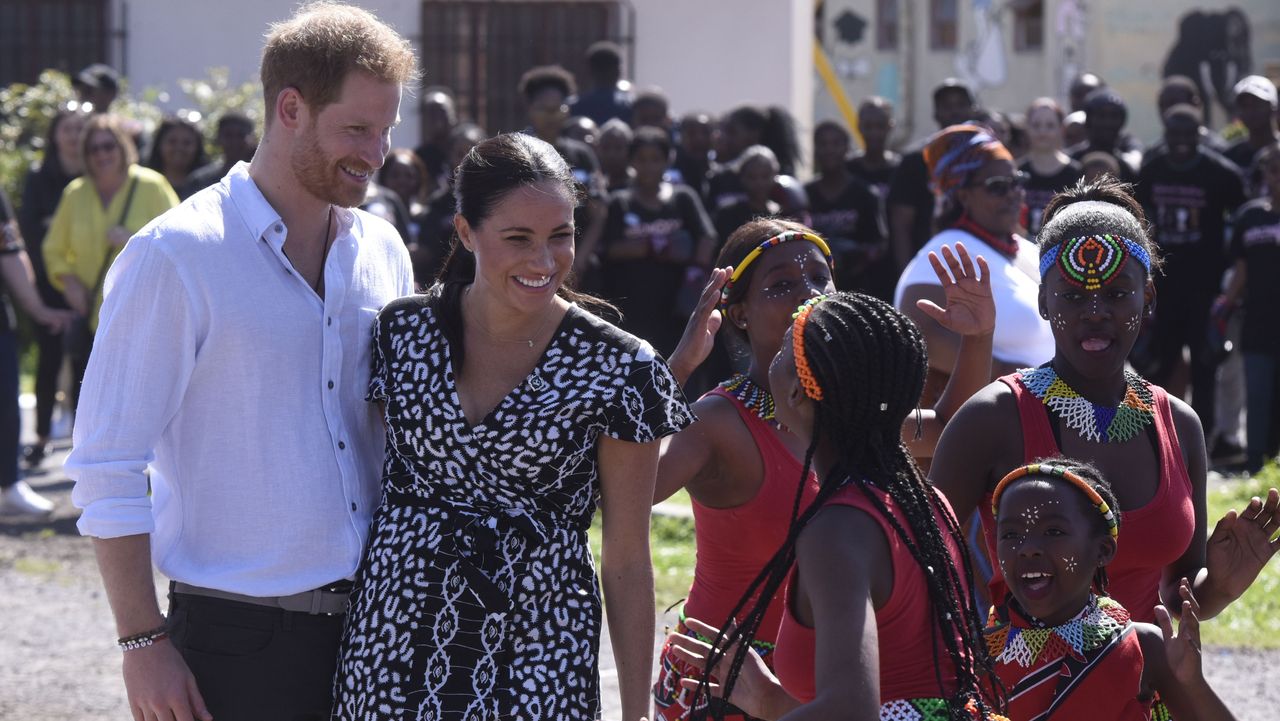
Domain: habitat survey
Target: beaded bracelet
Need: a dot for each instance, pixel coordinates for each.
(144, 639)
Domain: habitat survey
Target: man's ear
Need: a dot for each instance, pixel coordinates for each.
(291, 110)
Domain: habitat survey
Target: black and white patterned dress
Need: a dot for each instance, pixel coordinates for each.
(477, 598)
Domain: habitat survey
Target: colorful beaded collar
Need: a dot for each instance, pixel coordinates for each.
(1011, 643)
(752, 397)
(1101, 424)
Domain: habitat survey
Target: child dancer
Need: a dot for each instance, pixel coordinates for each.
(1062, 648)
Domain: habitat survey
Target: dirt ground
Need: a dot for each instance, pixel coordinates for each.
(59, 662)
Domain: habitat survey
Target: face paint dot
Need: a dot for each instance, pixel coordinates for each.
(1070, 563)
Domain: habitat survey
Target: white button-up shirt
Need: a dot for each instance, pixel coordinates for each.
(218, 366)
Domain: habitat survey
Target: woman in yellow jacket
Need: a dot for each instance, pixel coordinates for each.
(98, 212)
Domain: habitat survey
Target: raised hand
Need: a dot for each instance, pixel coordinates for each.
(970, 310)
(756, 689)
(1241, 545)
(1182, 650)
(700, 332)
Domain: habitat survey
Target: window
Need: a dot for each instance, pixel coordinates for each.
(480, 49)
(36, 35)
(1028, 26)
(886, 24)
(943, 16)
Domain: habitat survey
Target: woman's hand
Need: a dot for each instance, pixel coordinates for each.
(1242, 544)
(755, 691)
(1182, 650)
(970, 310)
(700, 332)
(118, 236)
(76, 294)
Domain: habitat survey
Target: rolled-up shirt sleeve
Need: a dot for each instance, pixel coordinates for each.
(143, 356)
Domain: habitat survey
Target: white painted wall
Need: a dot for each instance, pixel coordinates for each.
(170, 39)
(714, 55)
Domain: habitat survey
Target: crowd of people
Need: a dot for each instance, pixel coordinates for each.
(366, 445)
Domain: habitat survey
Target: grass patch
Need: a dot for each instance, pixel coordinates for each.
(673, 549)
(1254, 619)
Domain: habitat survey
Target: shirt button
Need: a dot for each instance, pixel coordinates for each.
(342, 446)
(330, 385)
(279, 228)
(353, 506)
(329, 321)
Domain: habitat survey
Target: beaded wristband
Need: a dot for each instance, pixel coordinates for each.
(144, 639)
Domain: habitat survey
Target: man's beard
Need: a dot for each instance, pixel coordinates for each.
(319, 174)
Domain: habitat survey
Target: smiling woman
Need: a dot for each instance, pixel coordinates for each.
(1097, 266)
(511, 413)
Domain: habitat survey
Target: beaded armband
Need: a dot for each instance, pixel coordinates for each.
(144, 639)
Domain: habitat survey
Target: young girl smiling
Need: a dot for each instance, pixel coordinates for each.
(1062, 647)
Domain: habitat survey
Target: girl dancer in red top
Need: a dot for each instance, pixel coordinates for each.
(1096, 265)
(880, 623)
(742, 499)
(1062, 647)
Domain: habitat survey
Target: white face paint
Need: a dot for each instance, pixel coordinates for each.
(1059, 322)
(1070, 563)
(1133, 323)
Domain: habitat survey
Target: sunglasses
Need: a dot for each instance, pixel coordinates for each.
(102, 148)
(1002, 185)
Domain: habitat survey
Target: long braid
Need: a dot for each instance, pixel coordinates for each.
(870, 362)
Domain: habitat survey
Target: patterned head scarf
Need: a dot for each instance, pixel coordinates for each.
(955, 153)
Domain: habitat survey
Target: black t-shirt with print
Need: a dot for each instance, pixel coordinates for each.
(910, 187)
(1256, 241)
(1188, 208)
(850, 223)
(878, 178)
(1042, 188)
(647, 290)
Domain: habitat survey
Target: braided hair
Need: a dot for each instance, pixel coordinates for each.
(869, 361)
(1092, 476)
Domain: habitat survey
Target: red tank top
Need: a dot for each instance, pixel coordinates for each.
(735, 543)
(904, 626)
(1151, 537)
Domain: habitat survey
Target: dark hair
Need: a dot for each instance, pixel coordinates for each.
(491, 171)
(604, 57)
(546, 77)
(953, 85)
(1094, 478)
(870, 362)
(410, 158)
(831, 126)
(649, 137)
(1049, 103)
(875, 101)
(651, 95)
(774, 128)
(169, 125)
(740, 242)
(1180, 82)
(51, 164)
(1086, 207)
(234, 118)
(1184, 111)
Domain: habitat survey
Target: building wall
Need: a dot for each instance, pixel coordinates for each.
(1125, 42)
(165, 40)
(712, 55)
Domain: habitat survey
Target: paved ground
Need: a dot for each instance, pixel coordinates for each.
(58, 660)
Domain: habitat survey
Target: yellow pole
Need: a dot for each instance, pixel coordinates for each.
(828, 74)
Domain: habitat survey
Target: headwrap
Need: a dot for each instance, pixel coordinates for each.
(957, 152)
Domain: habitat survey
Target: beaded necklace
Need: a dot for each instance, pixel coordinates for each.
(1026, 643)
(752, 396)
(1101, 424)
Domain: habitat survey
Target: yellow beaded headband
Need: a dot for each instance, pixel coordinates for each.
(1048, 469)
(775, 240)
(801, 316)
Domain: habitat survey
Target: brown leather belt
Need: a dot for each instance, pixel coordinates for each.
(326, 601)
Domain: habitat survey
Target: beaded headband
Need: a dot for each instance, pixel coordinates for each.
(1048, 469)
(1091, 261)
(801, 316)
(778, 239)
